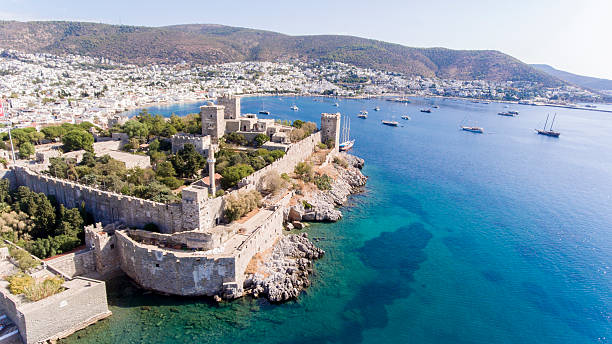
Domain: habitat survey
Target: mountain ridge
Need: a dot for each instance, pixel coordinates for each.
(215, 43)
(583, 81)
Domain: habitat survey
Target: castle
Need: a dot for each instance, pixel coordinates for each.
(196, 252)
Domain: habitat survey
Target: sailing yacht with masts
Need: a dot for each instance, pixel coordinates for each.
(550, 132)
(345, 142)
(263, 109)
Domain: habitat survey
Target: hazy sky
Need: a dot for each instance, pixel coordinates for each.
(575, 35)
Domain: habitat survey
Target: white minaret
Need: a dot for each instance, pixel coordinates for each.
(211, 169)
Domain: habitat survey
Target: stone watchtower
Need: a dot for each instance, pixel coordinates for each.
(213, 121)
(232, 106)
(330, 128)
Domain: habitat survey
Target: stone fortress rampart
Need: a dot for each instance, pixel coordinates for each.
(106, 207)
(199, 142)
(194, 254)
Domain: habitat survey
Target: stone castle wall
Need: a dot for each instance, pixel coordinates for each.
(186, 273)
(173, 272)
(200, 143)
(296, 153)
(74, 264)
(106, 207)
(82, 303)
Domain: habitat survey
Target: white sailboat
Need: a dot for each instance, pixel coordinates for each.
(345, 142)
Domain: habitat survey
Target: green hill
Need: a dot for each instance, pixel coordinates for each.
(210, 44)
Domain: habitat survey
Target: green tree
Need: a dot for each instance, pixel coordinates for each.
(134, 128)
(187, 161)
(260, 139)
(77, 139)
(165, 169)
(236, 138)
(233, 174)
(26, 150)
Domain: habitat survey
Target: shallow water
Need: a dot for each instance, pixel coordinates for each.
(503, 237)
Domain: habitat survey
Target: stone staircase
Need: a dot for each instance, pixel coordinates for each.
(9, 333)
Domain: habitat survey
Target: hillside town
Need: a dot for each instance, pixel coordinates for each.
(44, 89)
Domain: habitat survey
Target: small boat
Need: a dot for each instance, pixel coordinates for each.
(377, 109)
(345, 142)
(426, 110)
(477, 130)
(435, 106)
(263, 109)
(406, 117)
(336, 105)
(362, 115)
(508, 114)
(550, 132)
(515, 113)
(295, 108)
(390, 123)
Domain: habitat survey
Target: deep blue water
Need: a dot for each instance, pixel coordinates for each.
(503, 237)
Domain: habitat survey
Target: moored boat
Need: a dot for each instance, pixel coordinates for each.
(390, 123)
(426, 110)
(295, 108)
(263, 112)
(345, 142)
(548, 132)
(406, 117)
(377, 109)
(477, 130)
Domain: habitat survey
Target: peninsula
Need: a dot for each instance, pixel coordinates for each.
(223, 235)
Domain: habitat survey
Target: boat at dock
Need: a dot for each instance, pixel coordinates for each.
(390, 123)
(345, 142)
(426, 110)
(477, 130)
(550, 132)
(406, 117)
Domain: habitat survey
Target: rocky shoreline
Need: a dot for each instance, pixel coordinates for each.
(320, 205)
(283, 274)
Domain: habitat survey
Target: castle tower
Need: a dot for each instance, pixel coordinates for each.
(213, 121)
(330, 128)
(211, 170)
(232, 106)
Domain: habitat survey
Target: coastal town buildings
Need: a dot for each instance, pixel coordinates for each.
(42, 89)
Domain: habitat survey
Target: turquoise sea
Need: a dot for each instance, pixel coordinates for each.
(504, 237)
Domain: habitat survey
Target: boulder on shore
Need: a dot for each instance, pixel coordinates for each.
(284, 274)
(323, 203)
